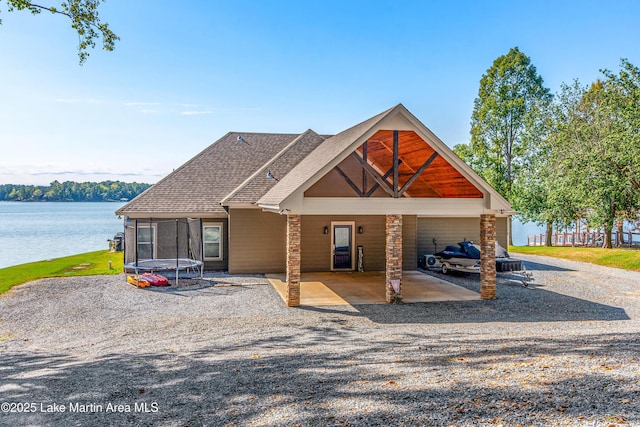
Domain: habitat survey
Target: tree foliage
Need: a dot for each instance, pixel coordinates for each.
(70, 191)
(590, 165)
(506, 123)
(506, 120)
(598, 160)
(575, 157)
(542, 196)
(84, 18)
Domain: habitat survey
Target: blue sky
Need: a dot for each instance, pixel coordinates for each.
(185, 73)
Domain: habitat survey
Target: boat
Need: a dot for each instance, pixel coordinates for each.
(466, 257)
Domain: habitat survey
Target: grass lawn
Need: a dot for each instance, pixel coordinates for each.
(87, 264)
(627, 259)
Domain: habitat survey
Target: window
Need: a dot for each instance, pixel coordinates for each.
(212, 241)
(146, 241)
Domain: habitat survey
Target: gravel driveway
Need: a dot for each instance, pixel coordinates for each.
(225, 351)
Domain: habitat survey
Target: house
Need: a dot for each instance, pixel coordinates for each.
(387, 189)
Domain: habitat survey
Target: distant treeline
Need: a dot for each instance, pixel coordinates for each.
(70, 191)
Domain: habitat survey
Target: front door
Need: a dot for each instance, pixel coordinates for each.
(342, 246)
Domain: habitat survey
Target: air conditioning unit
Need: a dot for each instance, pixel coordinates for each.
(431, 261)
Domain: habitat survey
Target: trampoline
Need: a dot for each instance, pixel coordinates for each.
(152, 265)
(164, 245)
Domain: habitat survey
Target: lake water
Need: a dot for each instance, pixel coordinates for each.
(522, 230)
(37, 231)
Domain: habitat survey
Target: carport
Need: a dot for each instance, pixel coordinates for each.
(390, 167)
(340, 288)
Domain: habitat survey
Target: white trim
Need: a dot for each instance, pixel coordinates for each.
(220, 225)
(434, 207)
(352, 248)
(241, 205)
(460, 165)
(398, 118)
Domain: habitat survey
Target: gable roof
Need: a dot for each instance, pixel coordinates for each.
(256, 185)
(328, 151)
(197, 187)
(233, 170)
(333, 150)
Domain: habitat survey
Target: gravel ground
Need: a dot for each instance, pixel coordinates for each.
(225, 351)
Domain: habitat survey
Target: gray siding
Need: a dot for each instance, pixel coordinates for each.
(409, 242)
(450, 231)
(501, 231)
(316, 246)
(257, 241)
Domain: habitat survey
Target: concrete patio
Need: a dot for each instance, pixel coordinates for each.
(344, 288)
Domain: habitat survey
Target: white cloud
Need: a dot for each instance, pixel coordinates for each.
(195, 113)
(79, 101)
(140, 104)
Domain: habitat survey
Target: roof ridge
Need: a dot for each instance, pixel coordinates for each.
(261, 169)
(375, 119)
(284, 186)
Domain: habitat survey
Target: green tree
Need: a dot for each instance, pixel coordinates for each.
(506, 122)
(84, 18)
(588, 165)
(542, 196)
(73, 191)
(602, 158)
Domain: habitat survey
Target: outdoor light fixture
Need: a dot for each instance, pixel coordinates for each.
(360, 230)
(326, 230)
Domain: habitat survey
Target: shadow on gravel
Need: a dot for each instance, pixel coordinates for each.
(224, 289)
(536, 266)
(514, 303)
(540, 306)
(297, 379)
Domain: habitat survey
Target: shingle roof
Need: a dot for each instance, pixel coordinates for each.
(198, 186)
(234, 170)
(314, 162)
(258, 184)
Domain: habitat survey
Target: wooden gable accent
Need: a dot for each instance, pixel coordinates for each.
(421, 172)
(438, 179)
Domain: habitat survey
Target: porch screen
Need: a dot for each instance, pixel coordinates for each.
(167, 239)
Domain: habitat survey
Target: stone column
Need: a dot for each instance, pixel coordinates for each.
(393, 252)
(487, 256)
(293, 260)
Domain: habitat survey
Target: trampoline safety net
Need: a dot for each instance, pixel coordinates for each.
(163, 244)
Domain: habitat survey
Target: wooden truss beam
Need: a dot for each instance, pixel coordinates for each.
(376, 176)
(417, 174)
(385, 176)
(364, 172)
(348, 180)
(395, 165)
